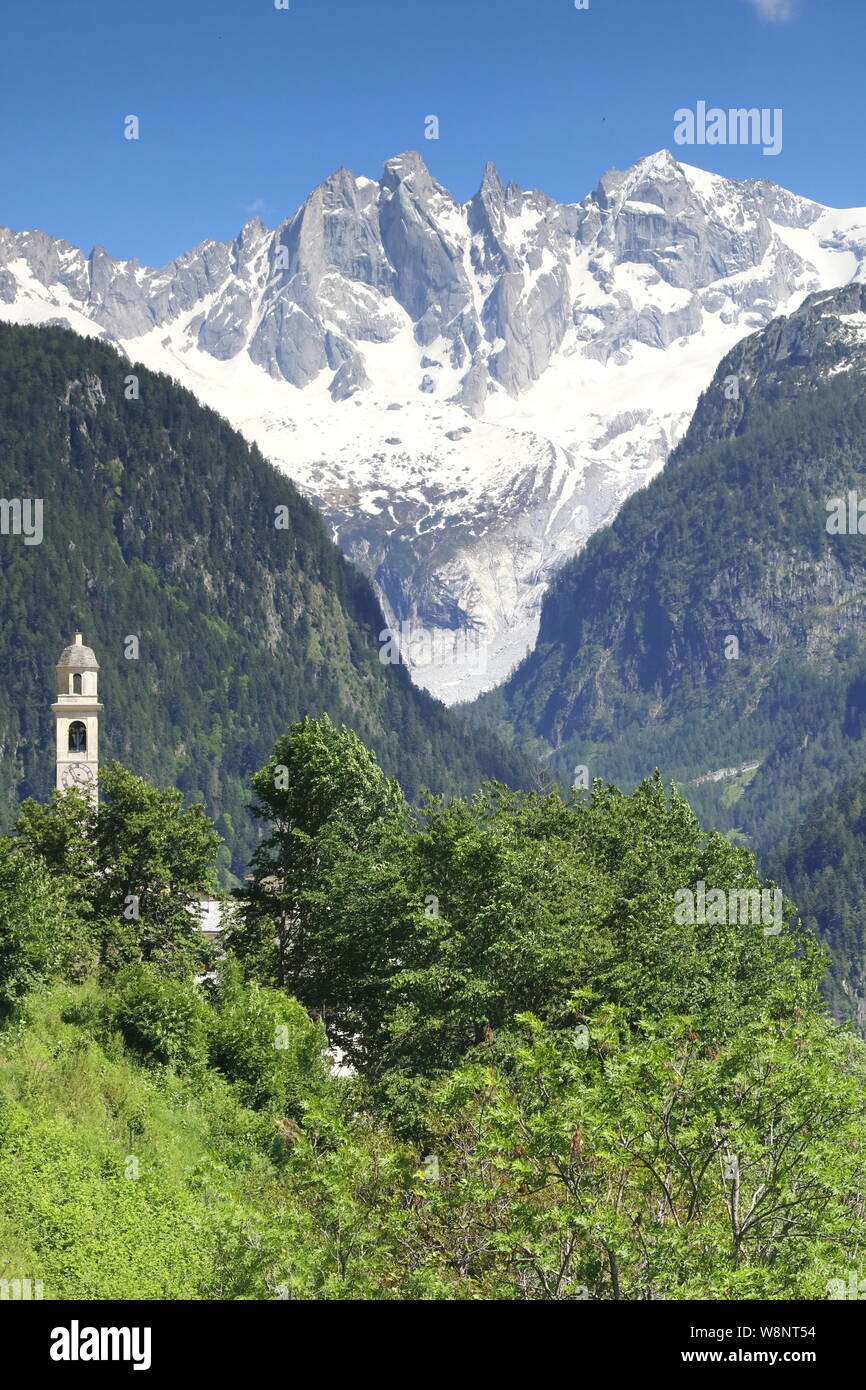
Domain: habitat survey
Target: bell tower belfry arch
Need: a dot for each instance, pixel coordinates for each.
(76, 719)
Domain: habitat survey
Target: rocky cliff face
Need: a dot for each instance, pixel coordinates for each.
(468, 390)
(792, 356)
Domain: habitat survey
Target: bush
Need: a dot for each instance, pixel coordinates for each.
(36, 927)
(164, 1019)
(266, 1044)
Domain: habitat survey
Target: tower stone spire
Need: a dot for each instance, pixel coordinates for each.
(76, 719)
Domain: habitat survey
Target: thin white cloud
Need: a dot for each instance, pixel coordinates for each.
(774, 9)
(253, 209)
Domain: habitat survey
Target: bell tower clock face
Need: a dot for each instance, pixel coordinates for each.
(77, 775)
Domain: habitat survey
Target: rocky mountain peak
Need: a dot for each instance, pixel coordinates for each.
(409, 168)
(339, 190)
(491, 184)
(252, 231)
(466, 390)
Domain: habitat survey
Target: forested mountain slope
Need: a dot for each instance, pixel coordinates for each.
(160, 522)
(636, 664)
(822, 865)
(716, 629)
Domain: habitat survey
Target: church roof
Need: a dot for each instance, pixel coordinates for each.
(78, 656)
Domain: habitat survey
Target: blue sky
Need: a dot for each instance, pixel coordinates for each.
(244, 108)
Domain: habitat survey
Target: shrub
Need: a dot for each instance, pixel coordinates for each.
(265, 1043)
(166, 1020)
(35, 927)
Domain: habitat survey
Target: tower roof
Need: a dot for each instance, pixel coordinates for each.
(78, 656)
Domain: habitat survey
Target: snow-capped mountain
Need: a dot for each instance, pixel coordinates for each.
(468, 390)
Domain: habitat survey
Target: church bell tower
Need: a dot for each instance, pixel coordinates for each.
(76, 719)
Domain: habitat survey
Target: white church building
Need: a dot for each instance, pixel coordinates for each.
(76, 713)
